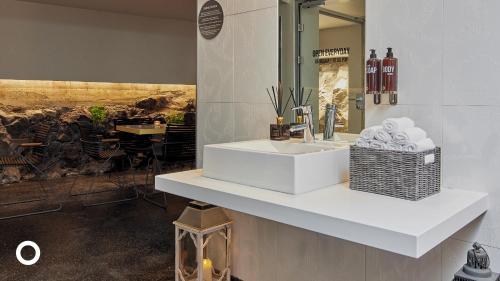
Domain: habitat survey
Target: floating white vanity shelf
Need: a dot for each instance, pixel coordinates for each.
(395, 225)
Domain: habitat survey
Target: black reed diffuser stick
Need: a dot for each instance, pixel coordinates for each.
(272, 101)
(300, 98)
(295, 104)
(307, 100)
(277, 100)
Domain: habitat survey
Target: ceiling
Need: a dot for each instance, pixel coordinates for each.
(168, 9)
(354, 8)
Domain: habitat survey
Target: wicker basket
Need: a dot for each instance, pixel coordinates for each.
(406, 175)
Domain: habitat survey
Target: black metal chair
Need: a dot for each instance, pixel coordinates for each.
(140, 147)
(134, 144)
(178, 146)
(33, 156)
(103, 151)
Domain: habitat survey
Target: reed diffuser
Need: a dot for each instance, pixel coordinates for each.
(299, 118)
(280, 130)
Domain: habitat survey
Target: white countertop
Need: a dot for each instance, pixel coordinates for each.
(403, 227)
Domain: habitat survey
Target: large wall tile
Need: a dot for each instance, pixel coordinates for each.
(375, 114)
(471, 35)
(215, 124)
(242, 6)
(252, 121)
(255, 55)
(215, 65)
(386, 266)
(417, 44)
(455, 256)
(429, 118)
(471, 160)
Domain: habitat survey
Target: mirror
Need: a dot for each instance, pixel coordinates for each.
(322, 51)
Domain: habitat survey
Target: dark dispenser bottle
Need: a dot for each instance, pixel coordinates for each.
(390, 76)
(373, 67)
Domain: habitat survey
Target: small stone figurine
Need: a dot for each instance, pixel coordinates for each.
(477, 267)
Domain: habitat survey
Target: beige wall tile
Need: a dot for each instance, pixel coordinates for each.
(255, 55)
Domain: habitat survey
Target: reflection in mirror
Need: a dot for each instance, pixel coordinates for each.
(322, 50)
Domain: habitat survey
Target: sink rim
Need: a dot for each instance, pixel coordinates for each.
(322, 148)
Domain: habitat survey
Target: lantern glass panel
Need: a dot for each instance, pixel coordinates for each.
(188, 262)
(216, 251)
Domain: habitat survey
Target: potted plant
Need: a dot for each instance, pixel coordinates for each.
(176, 119)
(98, 116)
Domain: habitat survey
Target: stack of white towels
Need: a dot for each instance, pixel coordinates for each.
(399, 134)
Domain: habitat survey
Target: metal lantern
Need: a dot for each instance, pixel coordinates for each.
(477, 267)
(202, 241)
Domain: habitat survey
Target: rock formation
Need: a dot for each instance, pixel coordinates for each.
(64, 149)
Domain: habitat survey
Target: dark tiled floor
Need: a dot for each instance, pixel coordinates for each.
(129, 241)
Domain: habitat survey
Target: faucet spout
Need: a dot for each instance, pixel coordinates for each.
(299, 127)
(307, 126)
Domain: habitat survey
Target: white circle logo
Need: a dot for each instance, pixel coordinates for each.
(28, 244)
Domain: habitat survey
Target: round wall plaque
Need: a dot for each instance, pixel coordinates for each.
(210, 19)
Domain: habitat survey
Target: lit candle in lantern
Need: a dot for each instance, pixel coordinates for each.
(207, 270)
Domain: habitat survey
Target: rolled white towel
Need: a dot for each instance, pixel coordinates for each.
(410, 135)
(376, 144)
(396, 125)
(394, 146)
(383, 135)
(422, 145)
(361, 142)
(369, 133)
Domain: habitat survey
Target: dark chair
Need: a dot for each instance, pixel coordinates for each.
(31, 155)
(179, 144)
(103, 151)
(134, 144)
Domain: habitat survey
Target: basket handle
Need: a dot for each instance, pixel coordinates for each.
(429, 158)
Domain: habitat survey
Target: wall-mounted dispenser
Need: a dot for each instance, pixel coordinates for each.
(373, 67)
(390, 76)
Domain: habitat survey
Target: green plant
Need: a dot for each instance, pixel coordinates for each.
(176, 118)
(98, 114)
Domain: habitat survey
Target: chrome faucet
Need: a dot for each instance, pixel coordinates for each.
(330, 111)
(307, 126)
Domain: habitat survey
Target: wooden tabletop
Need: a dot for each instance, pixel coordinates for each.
(142, 129)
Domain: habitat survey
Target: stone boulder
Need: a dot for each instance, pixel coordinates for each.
(10, 175)
(152, 104)
(4, 141)
(18, 128)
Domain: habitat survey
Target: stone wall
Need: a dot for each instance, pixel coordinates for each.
(24, 104)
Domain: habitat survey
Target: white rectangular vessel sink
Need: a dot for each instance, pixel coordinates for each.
(287, 167)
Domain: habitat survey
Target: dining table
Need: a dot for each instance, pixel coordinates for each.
(147, 129)
(143, 130)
